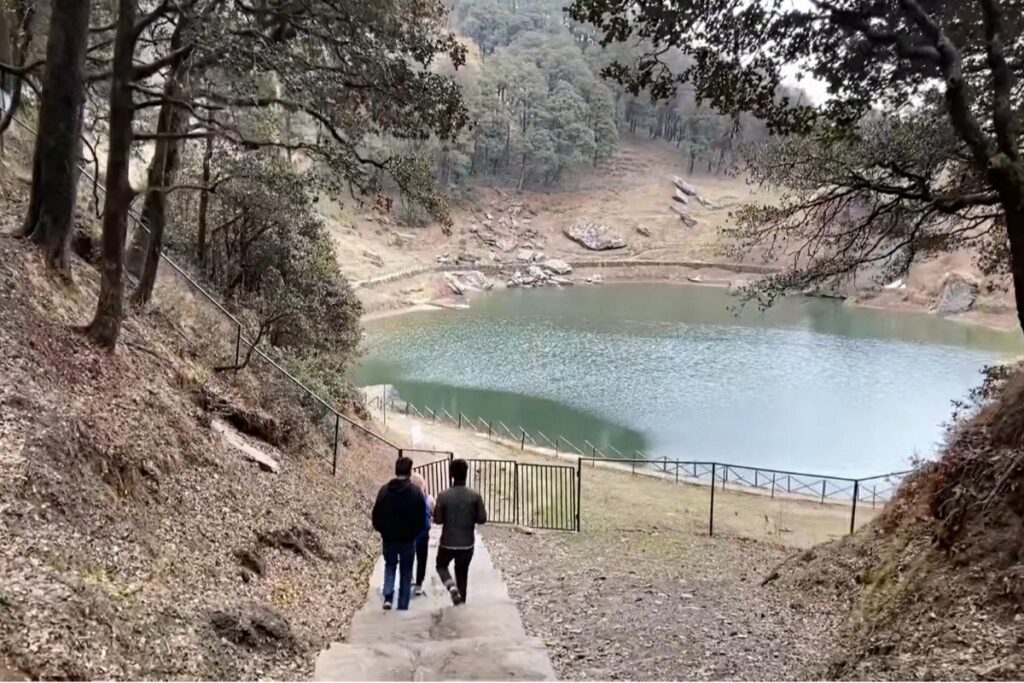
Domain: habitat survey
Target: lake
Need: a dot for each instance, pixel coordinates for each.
(676, 371)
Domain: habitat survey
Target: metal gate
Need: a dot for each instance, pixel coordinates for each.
(539, 496)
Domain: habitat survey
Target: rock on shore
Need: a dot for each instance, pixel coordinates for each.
(595, 236)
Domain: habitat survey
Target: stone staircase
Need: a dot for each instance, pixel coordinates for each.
(435, 640)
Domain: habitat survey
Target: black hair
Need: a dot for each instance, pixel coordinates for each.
(459, 470)
(403, 467)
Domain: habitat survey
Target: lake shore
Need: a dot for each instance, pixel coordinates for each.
(1002, 320)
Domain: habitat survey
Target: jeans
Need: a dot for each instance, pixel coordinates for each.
(422, 545)
(462, 559)
(398, 556)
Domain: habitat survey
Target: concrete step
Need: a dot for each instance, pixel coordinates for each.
(435, 640)
(464, 659)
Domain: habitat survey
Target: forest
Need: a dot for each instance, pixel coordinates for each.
(540, 107)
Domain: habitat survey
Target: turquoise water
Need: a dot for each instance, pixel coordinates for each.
(674, 371)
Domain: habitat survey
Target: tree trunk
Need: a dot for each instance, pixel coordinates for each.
(204, 202)
(162, 173)
(106, 325)
(51, 210)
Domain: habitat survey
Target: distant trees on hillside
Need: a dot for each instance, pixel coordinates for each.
(540, 107)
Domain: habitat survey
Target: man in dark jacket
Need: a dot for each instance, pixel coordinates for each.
(459, 510)
(398, 517)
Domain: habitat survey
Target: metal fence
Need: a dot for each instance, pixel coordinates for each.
(769, 482)
(528, 494)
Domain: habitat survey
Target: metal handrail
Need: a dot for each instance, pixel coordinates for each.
(209, 297)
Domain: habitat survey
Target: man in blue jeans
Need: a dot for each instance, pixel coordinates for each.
(398, 517)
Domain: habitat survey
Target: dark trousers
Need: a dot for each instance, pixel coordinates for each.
(422, 545)
(462, 559)
(398, 556)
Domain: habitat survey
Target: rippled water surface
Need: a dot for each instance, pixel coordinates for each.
(674, 371)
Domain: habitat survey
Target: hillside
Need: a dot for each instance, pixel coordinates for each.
(137, 538)
(631, 194)
(934, 589)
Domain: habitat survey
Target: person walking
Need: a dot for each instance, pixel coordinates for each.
(398, 517)
(423, 541)
(458, 510)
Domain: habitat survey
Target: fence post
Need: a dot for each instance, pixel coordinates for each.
(633, 465)
(711, 515)
(334, 466)
(695, 474)
(789, 481)
(579, 491)
(677, 471)
(874, 492)
(755, 479)
(853, 508)
(664, 465)
(406, 407)
(773, 485)
(558, 440)
(238, 347)
(489, 424)
(433, 416)
(522, 441)
(725, 476)
(823, 491)
(460, 419)
(515, 493)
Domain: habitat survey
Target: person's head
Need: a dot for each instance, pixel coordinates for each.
(403, 467)
(459, 470)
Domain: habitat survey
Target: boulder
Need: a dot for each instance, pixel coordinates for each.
(561, 281)
(525, 255)
(595, 236)
(684, 186)
(557, 266)
(506, 243)
(595, 279)
(959, 292)
(461, 282)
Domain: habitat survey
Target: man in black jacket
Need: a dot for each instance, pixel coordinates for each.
(398, 515)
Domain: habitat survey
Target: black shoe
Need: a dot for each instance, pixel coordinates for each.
(457, 598)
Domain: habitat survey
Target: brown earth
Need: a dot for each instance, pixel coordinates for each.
(134, 542)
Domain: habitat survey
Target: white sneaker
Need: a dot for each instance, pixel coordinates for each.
(456, 595)
(387, 604)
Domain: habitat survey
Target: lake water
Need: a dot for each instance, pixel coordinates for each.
(677, 372)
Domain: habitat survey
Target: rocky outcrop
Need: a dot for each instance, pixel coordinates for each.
(595, 236)
(529, 255)
(461, 282)
(959, 292)
(551, 272)
(557, 266)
